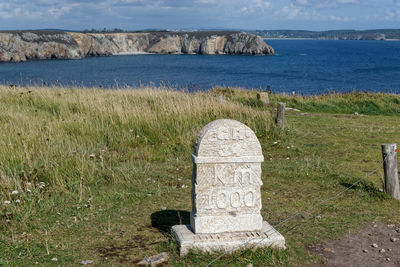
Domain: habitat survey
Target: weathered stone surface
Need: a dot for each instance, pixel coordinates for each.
(266, 237)
(23, 45)
(155, 260)
(263, 96)
(226, 179)
(226, 195)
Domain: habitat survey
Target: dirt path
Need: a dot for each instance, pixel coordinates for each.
(377, 244)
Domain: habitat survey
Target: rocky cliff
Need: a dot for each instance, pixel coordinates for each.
(24, 45)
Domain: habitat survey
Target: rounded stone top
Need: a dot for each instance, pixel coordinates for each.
(226, 138)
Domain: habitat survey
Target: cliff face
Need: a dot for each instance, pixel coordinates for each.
(25, 45)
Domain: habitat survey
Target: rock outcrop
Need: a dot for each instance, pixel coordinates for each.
(24, 45)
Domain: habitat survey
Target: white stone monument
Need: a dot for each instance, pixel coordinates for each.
(226, 196)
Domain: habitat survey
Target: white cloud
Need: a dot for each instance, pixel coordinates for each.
(39, 9)
(58, 11)
(291, 11)
(348, 1)
(207, 2)
(19, 12)
(304, 13)
(139, 14)
(254, 6)
(324, 4)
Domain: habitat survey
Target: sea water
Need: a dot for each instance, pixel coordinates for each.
(303, 66)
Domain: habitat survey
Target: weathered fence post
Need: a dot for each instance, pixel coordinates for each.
(389, 154)
(220, 99)
(280, 115)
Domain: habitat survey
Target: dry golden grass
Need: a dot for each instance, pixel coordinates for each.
(47, 133)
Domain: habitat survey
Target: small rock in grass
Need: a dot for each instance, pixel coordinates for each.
(92, 156)
(86, 262)
(374, 245)
(250, 265)
(318, 217)
(54, 259)
(164, 208)
(382, 251)
(356, 113)
(155, 260)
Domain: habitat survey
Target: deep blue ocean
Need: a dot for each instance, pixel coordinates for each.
(303, 66)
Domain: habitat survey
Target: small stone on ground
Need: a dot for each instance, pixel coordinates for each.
(155, 260)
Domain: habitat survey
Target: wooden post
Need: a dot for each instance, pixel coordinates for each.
(280, 115)
(220, 99)
(389, 154)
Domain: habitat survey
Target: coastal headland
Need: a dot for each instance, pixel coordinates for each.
(18, 46)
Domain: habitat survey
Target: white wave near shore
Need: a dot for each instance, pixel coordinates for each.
(131, 53)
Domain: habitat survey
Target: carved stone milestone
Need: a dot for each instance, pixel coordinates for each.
(226, 195)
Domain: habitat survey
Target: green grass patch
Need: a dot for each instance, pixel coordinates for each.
(103, 175)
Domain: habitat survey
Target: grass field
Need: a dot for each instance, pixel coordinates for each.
(90, 174)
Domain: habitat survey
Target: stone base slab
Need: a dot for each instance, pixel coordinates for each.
(202, 224)
(267, 237)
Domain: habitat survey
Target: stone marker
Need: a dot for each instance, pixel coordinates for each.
(263, 96)
(226, 196)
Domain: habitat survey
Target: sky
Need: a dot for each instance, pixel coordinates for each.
(199, 14)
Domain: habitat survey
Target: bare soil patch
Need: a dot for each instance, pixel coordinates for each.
(377, 244)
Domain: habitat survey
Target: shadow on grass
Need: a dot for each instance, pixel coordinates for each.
(164, 220)
(366, 187)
